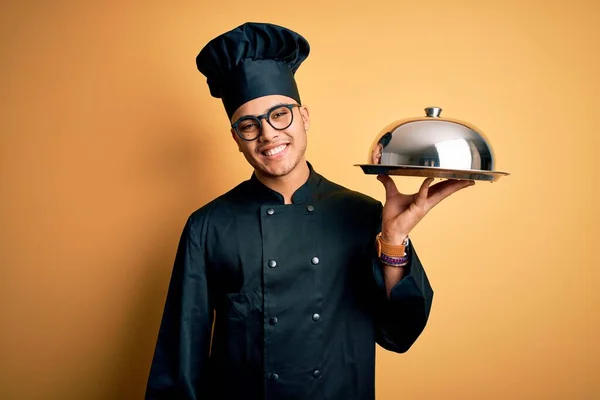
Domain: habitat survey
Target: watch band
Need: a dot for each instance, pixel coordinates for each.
(391, 250)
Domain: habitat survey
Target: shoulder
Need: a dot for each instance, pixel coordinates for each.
(218, 208)
(336, 191)
(352, 209)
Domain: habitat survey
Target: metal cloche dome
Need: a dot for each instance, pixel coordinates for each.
(432, 146)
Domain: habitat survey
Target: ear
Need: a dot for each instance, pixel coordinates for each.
(236, 139)
(305, 117)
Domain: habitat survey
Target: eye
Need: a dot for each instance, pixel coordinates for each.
(280, 112)
(248, 125)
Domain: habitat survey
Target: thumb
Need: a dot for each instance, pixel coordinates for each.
(388, 184)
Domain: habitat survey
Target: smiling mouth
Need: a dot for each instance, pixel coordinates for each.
(274, 151)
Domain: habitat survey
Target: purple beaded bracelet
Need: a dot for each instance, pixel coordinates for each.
(394, 261)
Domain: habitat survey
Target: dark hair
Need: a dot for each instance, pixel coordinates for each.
(385, 139)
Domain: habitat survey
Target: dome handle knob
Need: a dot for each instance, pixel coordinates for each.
(433, 112)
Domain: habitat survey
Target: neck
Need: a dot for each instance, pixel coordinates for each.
(286, 185)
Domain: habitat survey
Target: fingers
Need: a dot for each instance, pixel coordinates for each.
(388, 184)
(444, 189)
(423, 193)
(428, 195)
(441, 186)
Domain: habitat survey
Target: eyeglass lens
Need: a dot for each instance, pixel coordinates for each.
(279, 118)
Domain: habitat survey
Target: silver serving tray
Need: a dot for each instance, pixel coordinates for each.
(431, 172)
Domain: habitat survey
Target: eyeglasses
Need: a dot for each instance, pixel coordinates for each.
(280, 117)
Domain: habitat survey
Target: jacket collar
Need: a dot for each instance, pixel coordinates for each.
(303, 195)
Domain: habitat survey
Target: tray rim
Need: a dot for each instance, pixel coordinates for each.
(468, 171)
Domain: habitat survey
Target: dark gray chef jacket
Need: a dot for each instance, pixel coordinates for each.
(296, 294)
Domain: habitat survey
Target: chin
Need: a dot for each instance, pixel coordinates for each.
(276, 170)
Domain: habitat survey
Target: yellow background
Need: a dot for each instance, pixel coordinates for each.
(109, 139)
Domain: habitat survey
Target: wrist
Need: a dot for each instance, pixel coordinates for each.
(395, 239)
(392, 254)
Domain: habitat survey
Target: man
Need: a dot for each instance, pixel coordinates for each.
(301, 277)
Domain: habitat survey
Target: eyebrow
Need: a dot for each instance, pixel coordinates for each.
(266, 110)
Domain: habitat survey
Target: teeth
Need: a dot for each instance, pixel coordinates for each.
(275, 150)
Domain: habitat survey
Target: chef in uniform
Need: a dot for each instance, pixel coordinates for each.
(299, 276)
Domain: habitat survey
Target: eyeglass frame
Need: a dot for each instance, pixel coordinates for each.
(265, 116)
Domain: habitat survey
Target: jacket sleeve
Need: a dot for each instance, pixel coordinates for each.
(402, 318)
(179, 366)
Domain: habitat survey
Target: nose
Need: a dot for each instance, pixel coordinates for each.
(268, 133)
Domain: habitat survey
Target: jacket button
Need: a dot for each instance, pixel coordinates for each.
(270, 211)
(272, 263)
(274, 377)
(317, 374)
(316, 317)
(310, 208)
(315, 260)
(273, 320)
